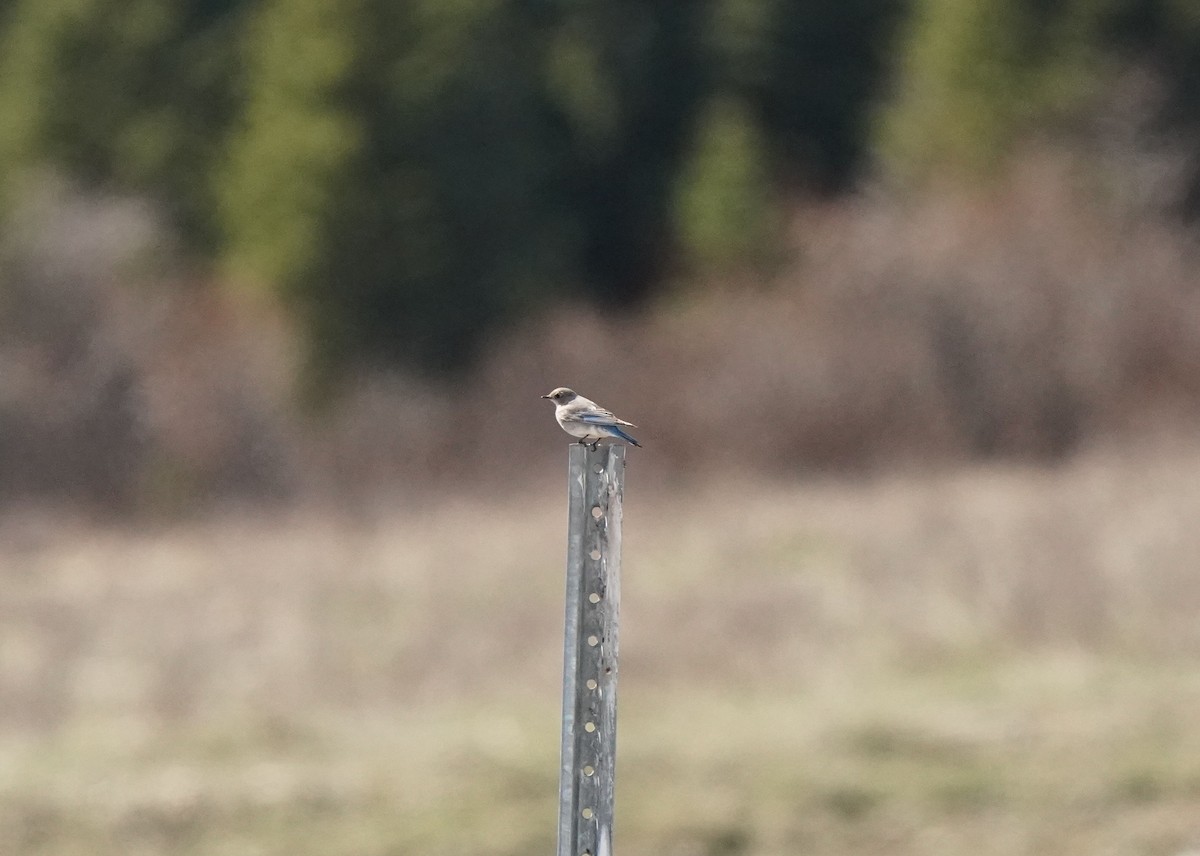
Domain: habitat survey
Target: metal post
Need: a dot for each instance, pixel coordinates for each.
(589, 732)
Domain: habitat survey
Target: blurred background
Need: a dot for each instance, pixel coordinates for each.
(904, 293)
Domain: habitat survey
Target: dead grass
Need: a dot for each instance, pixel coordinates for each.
(1000, 659)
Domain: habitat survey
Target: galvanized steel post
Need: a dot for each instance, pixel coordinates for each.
(589, 730)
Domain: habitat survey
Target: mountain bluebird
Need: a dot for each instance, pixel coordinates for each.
(586, 419)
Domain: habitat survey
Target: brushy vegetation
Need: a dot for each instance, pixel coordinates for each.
(994, 658)
(1023, 322)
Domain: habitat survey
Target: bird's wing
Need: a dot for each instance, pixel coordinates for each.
(594, 416)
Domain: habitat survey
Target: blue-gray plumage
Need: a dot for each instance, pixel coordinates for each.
(580, 417)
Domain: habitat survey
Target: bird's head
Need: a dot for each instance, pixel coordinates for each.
(561, 395)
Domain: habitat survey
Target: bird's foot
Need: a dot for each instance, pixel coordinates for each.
(595, 445)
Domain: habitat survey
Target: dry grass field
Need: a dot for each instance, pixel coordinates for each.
(988, 660)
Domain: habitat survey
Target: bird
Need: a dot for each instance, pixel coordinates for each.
(583, 418)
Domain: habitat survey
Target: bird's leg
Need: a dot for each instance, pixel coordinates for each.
(595, 443)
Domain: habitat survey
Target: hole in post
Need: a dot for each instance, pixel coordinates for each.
(594, 598)
(599, 468)
(597, 512)
(589, 727)
(595, 554)
(593, 641)
(591, 683)
(587, 813)
(589, 770)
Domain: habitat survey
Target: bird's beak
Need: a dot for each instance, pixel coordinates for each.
(545, 396)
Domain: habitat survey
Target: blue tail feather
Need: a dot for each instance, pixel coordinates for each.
(618, 432)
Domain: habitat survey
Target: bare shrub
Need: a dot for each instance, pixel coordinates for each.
(1019, 320)
(126, 385)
